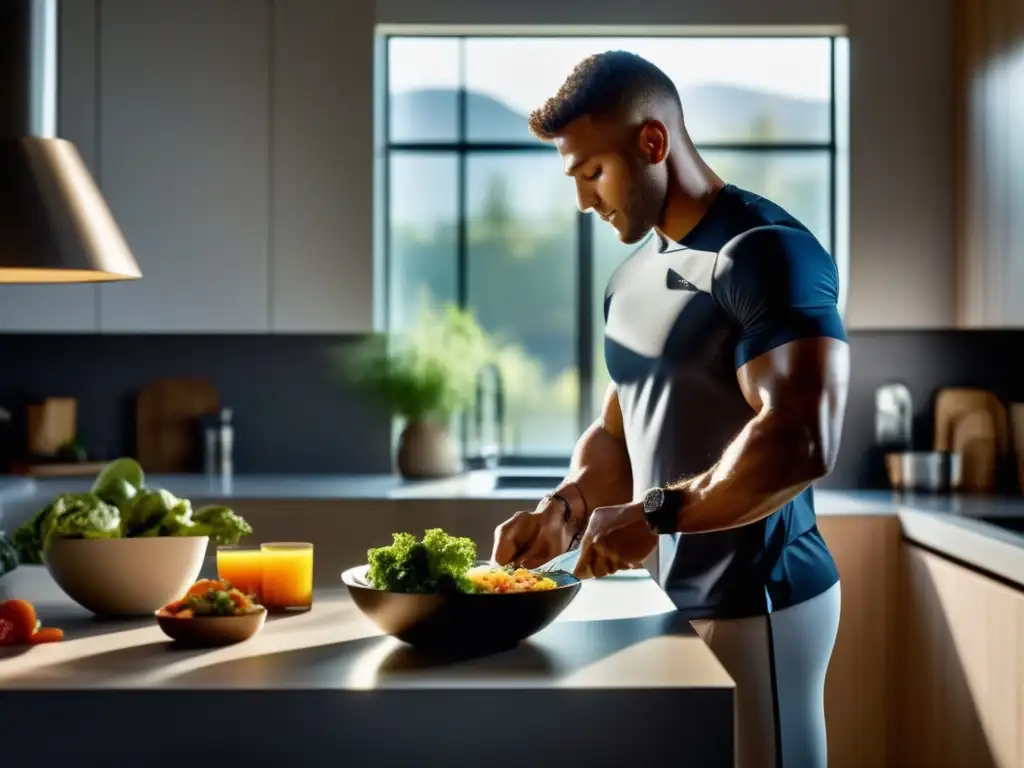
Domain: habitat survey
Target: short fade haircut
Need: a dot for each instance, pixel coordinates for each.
(601, 85)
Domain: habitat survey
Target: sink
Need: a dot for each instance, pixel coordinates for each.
(531, 482)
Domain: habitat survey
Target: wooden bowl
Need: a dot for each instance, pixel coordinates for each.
(212, 630)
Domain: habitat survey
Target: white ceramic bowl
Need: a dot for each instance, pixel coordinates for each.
(126, 577)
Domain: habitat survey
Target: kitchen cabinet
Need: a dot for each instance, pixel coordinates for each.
(321, 271)
(989, 162)
(961, 667)
(859, 696)
(184, 132)
(220, 135)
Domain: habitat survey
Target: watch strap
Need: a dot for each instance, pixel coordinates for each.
(663, 518)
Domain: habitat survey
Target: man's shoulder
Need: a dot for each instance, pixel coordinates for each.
(772, 250)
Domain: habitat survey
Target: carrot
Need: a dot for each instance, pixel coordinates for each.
(47, 635)
(203, 586)
(173, 607)
(19, 618)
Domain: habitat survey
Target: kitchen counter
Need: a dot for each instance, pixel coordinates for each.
(471, 485)
(960, 527)
(326, 686)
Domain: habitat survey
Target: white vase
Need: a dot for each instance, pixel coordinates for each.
(427, 449)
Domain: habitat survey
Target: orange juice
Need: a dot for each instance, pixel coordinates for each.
(287, 576)
(243, 567)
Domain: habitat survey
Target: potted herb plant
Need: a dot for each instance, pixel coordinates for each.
(424, 376)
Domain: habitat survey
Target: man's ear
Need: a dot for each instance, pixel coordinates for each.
(653, 141)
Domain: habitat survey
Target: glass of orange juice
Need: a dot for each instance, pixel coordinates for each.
(287, 576)
(242, 567)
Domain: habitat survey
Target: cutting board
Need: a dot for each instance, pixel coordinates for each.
(55, 469)
(51, 424)
(1017, 426)
(167, 417)
(953, 402)
(974, 438)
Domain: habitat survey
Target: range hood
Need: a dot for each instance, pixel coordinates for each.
(55, 226)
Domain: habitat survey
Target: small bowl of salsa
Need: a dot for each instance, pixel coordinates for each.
(213, 612)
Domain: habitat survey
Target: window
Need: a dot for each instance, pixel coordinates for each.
(478, 212)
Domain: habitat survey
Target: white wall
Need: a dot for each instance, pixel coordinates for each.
(901, 246)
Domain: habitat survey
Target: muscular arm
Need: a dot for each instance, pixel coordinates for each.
(798, 391)
(600, 465)
(781, 287)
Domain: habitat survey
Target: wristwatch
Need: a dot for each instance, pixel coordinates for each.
(661, 508)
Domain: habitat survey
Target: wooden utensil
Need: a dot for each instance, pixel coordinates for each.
(974, 438)
(953, 402)
(166, 423)
(51, 424)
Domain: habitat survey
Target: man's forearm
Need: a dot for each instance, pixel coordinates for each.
(600, 473)
(771, 461)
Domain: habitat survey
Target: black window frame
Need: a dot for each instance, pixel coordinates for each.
(462, 149)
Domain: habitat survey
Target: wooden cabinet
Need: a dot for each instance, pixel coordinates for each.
(989, 161)
(184, 136)
(860, 704)
(961, 691)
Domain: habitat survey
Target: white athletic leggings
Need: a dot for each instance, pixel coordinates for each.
(778, 663)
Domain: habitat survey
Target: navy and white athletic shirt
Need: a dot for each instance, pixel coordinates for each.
(680, 320)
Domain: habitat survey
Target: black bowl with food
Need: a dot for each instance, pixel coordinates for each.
(436, 596)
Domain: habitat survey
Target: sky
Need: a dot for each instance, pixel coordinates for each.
(522, 72)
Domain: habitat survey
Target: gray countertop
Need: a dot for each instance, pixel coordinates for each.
(470, 485)
(620, 632)
(325, 687)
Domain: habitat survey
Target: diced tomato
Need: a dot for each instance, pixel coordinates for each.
(6, 632)
(176, 606)
(21, 616)
(203, 586)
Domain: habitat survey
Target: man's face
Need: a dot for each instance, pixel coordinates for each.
(614, 175)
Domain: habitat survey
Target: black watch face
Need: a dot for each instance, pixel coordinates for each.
(653, 500)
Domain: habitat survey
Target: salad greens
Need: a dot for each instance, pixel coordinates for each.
(8, 554)
(119, 505)
(438, 563)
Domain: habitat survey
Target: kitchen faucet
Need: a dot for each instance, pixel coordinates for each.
(490, 454)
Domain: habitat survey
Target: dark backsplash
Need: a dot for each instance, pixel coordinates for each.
(289, 411)
(291, 415)
(924, 361)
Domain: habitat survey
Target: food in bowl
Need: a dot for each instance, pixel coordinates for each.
(211, 598)
(120, 505)
(434, 595)
(211, 612)
(498, 581)
(442, 563)
(438, 563)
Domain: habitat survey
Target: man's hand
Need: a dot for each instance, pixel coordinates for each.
(530, 539)
(617, 538)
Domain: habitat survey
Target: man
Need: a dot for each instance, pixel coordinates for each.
(729, 365)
